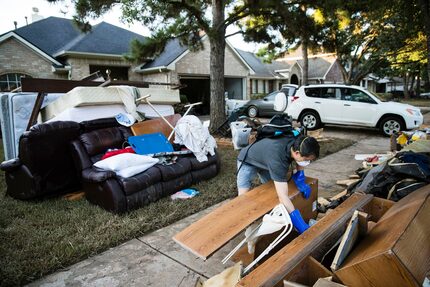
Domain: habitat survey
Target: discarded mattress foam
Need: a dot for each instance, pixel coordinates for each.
(87, 113)
(96, 96)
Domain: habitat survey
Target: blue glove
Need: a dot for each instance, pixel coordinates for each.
(298, 222)
(299, 180)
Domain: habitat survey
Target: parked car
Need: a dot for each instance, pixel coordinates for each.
(264, 107)
(425, 95)
(315, 105)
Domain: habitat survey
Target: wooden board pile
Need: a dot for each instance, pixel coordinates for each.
(365, 241)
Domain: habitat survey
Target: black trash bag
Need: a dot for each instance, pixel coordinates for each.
(380, 179)
(403, 188)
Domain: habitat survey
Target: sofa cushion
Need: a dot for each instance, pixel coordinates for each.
(196, 165)
(177, 184)
(204, 173)
(99, 141)
(88, 126)
(144, 197)
(140, 181)
(169, 172)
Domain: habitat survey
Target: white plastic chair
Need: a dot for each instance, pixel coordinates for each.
(274, 221)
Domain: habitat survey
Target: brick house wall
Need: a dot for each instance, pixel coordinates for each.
(81, 67)
(15, 57)
(198, 63)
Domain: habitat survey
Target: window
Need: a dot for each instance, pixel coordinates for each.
(254, 86)
(313, 92)
(354, 95)
(271, 96)
(9, 82)
(116, 73)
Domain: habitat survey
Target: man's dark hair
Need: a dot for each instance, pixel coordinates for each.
(307, 146)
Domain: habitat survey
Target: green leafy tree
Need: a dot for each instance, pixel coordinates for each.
(282, 26)
(367, 38)
(184, 20)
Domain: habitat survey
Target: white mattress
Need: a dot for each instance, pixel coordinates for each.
(94, 96)
(16, 109)
(87, 113)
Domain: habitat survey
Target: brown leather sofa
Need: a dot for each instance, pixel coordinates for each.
(117, 194)
(57, 158)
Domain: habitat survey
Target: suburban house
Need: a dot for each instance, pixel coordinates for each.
(54, 48)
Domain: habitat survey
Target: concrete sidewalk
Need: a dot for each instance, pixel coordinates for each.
(155, 260)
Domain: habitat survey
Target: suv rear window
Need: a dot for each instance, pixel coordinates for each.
(313, 92)
(324, 93)
(289, 91)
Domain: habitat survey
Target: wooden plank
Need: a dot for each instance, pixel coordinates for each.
(279, 265)
(317, 134)
(214, 230)
(36, 110)
(155, 125)
(78, 195)
(346, 182)
(339, 195)
(349, 239)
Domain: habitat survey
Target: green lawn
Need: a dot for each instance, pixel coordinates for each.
(40, 237)
(417, 102)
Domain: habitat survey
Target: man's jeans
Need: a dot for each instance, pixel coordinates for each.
(247, 174)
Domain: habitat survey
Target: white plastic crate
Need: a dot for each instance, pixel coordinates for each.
(240, 134)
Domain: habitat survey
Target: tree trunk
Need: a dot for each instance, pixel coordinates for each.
(418, 92)
(305, 62)
(411, 87)
(405, 86)
(217, 54)
(425, 10)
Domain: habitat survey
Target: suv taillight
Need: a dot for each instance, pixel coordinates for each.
(294, 98)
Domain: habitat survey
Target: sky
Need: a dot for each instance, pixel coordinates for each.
(17, 10)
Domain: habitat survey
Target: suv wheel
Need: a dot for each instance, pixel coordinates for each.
(252, 111)
(310, 120)
(391, 125)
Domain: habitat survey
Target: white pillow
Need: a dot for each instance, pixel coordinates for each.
(127, 164)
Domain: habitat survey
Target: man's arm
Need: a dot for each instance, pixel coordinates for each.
(282, 191)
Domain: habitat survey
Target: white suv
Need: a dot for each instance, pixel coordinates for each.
(315, 105)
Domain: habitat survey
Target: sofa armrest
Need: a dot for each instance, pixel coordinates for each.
(9, 165)
(96, 175)
(80, 156)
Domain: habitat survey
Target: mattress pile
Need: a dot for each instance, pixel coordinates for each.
(88, 103)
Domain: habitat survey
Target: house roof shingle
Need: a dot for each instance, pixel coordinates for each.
(262, 69)
(172, 51)
(54, 35)
(320, 66)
